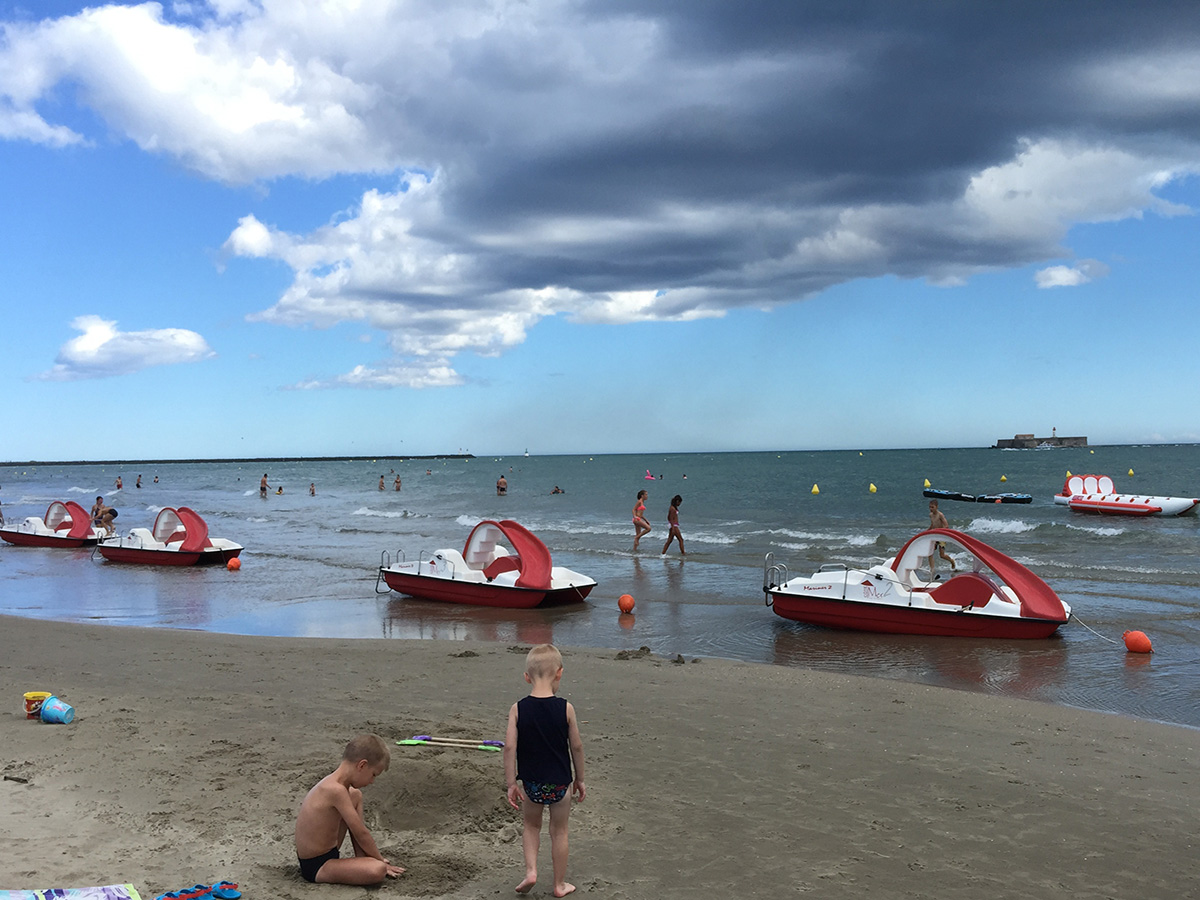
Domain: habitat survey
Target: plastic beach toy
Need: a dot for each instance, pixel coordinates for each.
(56, 712)
(33, 703)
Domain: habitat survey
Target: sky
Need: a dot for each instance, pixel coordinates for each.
(259, 228)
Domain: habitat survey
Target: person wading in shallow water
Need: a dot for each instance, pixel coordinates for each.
(641, 527)
(673, 521)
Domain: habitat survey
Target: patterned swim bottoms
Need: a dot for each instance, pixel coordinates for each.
(546, 794)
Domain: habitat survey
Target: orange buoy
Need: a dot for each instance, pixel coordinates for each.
(1137, 642)
(234, 564)
(625, 603)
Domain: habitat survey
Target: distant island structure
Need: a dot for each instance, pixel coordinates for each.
(1031, 442)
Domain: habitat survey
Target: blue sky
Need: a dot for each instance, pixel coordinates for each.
(275, 227)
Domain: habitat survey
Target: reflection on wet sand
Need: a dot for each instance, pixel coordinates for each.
(1026, 669)
(410, 618)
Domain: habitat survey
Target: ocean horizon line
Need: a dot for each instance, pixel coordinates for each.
(520, 454)
(234, 459)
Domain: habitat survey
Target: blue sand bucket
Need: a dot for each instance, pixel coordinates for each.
(56, 712)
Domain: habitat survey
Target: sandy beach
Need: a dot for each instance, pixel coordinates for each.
(191, 751)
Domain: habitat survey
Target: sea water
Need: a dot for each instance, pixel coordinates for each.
(310, 564)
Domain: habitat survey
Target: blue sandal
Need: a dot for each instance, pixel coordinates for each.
(226, 890)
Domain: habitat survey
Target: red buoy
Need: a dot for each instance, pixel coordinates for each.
(1137, 642)
(625, 603)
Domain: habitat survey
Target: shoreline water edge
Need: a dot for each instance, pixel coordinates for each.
(310, 564)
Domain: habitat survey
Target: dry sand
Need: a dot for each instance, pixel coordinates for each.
(191, 751)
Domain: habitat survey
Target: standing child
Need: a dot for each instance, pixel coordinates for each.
(334, 808)
(540, 747)
(673, 521)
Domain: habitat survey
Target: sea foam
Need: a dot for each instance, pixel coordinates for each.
(999, 526)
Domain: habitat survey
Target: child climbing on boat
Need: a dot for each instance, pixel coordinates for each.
(937, 519)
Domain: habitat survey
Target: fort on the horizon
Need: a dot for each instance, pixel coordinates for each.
(1030, 442)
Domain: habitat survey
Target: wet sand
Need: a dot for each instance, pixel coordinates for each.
(191, 751)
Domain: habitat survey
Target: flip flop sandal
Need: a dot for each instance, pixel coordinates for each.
(226, 890)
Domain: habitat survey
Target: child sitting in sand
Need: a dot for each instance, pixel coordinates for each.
(540, 747)
(333, 808)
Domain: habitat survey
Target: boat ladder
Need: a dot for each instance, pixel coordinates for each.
(774, 574)
(385, 561)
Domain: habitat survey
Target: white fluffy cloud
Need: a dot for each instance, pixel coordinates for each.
(101, 350)
(1082, 272)
(221, 98)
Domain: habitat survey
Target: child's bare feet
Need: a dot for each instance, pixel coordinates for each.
(525, 886)
(563, 889)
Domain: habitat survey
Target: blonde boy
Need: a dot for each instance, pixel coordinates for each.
(333, 809)
(541, 746)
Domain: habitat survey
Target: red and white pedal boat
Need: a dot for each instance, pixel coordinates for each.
(1096, 493)
(179, 538)
(64, 525)
(994, 596)
(485, 573)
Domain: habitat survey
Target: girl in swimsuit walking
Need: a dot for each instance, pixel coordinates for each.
(674, 534)
(640, 525)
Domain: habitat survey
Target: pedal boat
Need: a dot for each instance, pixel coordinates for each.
(1096, 493)
(486, 573)
(993, 596)
(179, 538)
(65, 525)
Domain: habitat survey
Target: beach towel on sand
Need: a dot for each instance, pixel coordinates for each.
(109, 892)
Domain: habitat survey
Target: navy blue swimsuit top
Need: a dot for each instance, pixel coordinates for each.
(543, 744)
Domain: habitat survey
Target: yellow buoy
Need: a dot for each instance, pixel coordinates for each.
(1004, 478)
(1068, 473)
(872, 488)
(927, 484)
(816, 490)
(860, 453)
(1092, 451)
(1131, 471)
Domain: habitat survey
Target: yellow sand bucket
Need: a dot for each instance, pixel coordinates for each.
(33, 703)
